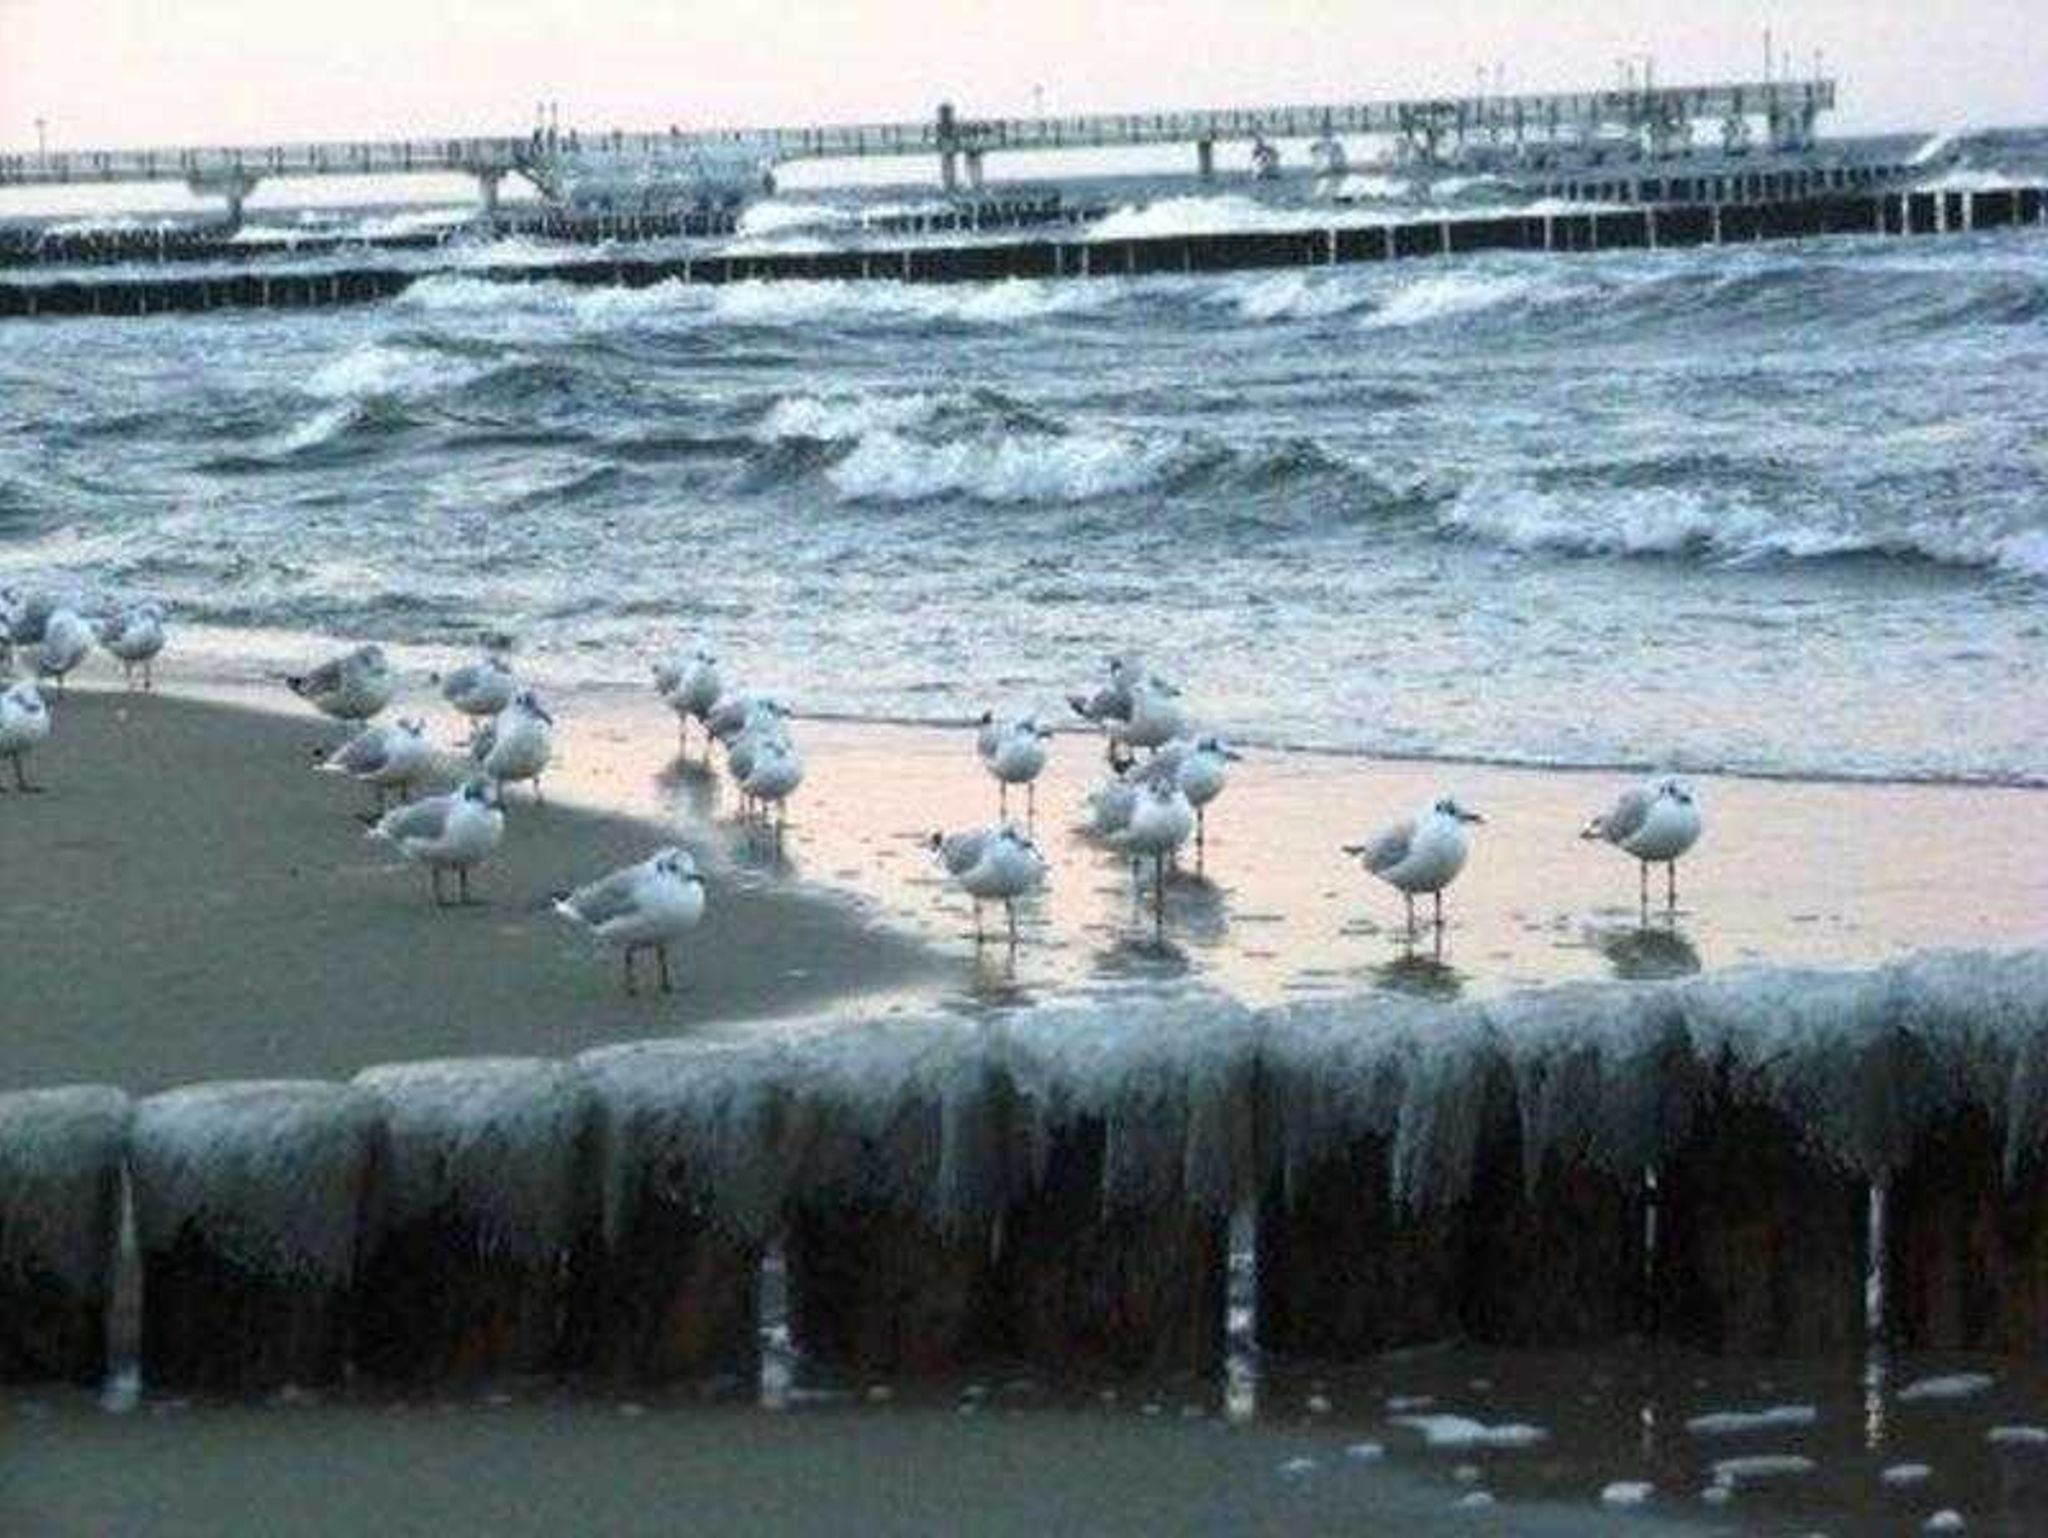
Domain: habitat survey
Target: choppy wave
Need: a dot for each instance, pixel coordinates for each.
(1666, 521)
(891, 466)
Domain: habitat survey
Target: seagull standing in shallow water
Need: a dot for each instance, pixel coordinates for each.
(692, 686)
(1159, 824)
(1201, 772)
(1657, 822)
(1014, 752)
(24, 726)
(351, 687)
(455, 831)
(995, 864)
(518, 745)
(1423, 854)
(641, 908)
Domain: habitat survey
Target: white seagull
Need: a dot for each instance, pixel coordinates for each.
(1112, 701)
(518, 744)
(481, 689)
(691, 685)
(1423, 854)
(134, 637)
(351, 687)
(1156, 716)
(1014, 751)
(456, 831)
(642, 907)
(24, 726)
(993, 864)
(773, 773)
(1657, 822)
(1201, 770)
(66, 641)
(395, 756)
(1159, 824)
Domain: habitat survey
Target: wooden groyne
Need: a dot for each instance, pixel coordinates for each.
(1722, 1164)
(1654, 227)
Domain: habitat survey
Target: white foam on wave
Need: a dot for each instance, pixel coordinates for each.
(1970, 179)
(1453, 295)
(781, 217)
(1227, 213)
(1010, 301)
(1289, 296)
(889, 466)
(843, 417)
(376, 369)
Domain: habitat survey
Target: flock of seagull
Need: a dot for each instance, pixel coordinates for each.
(1163, 777)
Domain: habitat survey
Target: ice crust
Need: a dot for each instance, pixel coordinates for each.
(1198, 1103)
(498, 1143)
(58, 1149)
(272, 1175)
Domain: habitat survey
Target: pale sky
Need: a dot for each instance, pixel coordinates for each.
(112, 72)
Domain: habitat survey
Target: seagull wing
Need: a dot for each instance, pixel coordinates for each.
(426, 820)
(1627, 815)
(605, 899)
(324, 679)
(365, 753)
(961, 852)
(1388, 848)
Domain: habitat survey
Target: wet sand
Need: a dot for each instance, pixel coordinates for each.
(190, 901)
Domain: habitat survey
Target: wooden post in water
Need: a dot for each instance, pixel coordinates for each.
(248, 1199)
(1761, 1241)
(61, 1152)
(484, 1188)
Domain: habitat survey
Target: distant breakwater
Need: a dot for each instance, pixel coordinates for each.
(1646, 228)
(1722, 1163)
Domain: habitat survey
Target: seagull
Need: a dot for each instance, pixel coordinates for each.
(386, 758)
(481, 689)
(1201, 771)
(1015, 753)
(24, 725)
(66, 640)
(134, 637)
(458, 830)
(642, 907)
(993, 864)
(1656, 822)
(1423, 854)
(6, 648)
(1111, 702)
(1156, 716)
(518, 744)
(1160, 823)
(351, 687)
(773, 776)
(729, 717)
(691, 685)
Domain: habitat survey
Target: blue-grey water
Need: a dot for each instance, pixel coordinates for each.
(1781, 508)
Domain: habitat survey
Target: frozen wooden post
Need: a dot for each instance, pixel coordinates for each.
(1761, 1240)
(1966, 1245)
(1093, 1285)
(61, 1152)
(689, 1163)
(1344, 1271)
(483, 1187)
(882, 1279)
(248, 1198)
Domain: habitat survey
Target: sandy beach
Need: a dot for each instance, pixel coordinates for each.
(190, 901)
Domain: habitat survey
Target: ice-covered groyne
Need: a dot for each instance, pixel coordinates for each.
(1725, 1162)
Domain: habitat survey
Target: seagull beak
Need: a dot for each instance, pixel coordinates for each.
(1470, 817)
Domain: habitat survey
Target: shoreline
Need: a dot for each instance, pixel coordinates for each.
(849, 917)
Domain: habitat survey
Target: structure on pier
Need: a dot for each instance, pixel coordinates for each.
(1536, 132)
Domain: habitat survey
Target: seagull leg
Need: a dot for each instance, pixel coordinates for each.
(978, 937)
(1409, 898)
(149, 675)
(1010, 908)
(538, 798)
(630, 988)
(1438, 895)
(1671, 885)
(434, 880)
(462, 884)
(1031, 803)
(661, 957)
(1003, 800)
(1201, 838)
(1159, 894)
(1643, 869)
